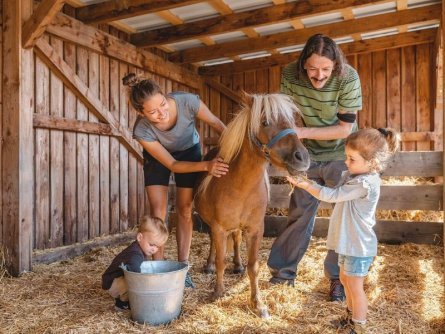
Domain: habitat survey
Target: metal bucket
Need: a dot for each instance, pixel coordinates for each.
(155, 294)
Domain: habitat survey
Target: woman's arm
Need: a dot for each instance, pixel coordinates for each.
(205, 115)
(216, 167)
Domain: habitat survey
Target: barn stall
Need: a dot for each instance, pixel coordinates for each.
(72, 177)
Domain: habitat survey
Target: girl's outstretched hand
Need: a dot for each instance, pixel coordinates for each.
(217, 167)
(298, 181)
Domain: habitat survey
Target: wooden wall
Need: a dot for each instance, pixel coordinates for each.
(397, 85)
(86, 184)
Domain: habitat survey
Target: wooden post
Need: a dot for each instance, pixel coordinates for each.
(443, 95)
(17, 144)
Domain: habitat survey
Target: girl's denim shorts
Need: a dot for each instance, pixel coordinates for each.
(355, 266)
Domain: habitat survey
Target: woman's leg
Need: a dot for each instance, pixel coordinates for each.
(184, 226)
(358, 297)
(158, 200)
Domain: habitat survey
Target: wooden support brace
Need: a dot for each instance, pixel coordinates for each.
(55, 62)
(223, 90)
(35, 26)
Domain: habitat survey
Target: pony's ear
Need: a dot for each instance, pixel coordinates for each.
(247, 99)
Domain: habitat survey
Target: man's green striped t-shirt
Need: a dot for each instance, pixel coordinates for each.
(319, 107)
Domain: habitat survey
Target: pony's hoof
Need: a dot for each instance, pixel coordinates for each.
(263, 313)
(208, 270)
(217, 295)
(239, 270)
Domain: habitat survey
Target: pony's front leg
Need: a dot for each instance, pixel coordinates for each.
(209, 268)
(219, 238)
(253, 239)
(237, 237)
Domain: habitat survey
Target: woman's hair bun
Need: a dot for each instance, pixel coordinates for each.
(131, 79)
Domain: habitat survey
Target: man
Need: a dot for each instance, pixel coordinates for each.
(327, 91)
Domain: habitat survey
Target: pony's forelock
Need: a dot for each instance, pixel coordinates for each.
(272, 108)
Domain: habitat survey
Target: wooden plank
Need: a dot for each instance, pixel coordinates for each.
(69, 252)
(408, 94)
(274, 79)
(56, 64)
(121, 9)
(132, 172)
(236, 97)
(1, 131)
(393, 89)
(82, 154)
(423, 93)
(419, 164)
(443, 93)
(17, 140)
(70, 164)
(357, 47)
(262, 81)
(123, 154)
(379, 89)
(35, 26)
(250, 82)
(78, 33)
(226, 104)
(392, 232)
(239, 20)
(334, 30)
(104, 148)
(114, 148)
(392, 197)
(56, 156)
(73, 125)
(93, 153)
(42, 176)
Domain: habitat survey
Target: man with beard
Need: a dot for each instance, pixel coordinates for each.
(327, 90)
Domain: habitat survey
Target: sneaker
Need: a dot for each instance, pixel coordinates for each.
(343, 321)
(188, 281)
(336, 292)
(120, 305)
(277, 280)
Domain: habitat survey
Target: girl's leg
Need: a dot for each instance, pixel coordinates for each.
(184, 226)
(343, 280)
(358, 297)
(158, 199)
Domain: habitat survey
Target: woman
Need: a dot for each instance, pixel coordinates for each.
(166, 129)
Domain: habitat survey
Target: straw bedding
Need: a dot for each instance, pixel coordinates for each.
(405, 289)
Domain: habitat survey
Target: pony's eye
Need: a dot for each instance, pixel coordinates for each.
(265, 123)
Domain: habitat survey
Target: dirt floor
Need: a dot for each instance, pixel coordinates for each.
(405, 289)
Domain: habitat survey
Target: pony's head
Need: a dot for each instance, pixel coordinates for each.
(267, 121)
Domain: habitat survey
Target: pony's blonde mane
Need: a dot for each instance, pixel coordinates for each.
(257, 108)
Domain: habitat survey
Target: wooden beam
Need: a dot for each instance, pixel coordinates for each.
(387, 231)
(240, 20)
(35, 26)
(235, 97)
(68, 252)
(120, 9)
(363, 46)
(55, 62)
(334, 30)
(43, 121)
(17, 149)
(417, 164)
(76, 32)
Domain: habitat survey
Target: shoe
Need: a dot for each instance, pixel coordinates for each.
(354, 328)
(343, 321)
(277, 280)
(336, 292)
(120, 305)
(188, 281)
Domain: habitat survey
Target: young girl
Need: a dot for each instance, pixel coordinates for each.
(351, 232)
(152, 234)
(165, 128)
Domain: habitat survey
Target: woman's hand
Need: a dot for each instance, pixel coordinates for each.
(217, 167)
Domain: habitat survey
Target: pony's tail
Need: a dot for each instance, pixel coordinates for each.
(203, 185)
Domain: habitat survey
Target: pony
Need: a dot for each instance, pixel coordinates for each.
(262, 132)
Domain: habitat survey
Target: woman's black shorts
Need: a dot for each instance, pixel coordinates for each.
(156, 173)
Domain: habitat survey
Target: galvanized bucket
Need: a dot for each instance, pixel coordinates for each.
(155, 294)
